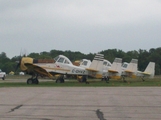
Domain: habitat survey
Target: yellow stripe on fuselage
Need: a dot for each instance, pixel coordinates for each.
(61, 69)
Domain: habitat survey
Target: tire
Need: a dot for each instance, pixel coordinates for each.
(29, 81)
(35, 81)
(3, 78)
(57, 80)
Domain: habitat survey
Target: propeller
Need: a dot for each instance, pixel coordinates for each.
(19, 60)
(22, 54)
(18, 63)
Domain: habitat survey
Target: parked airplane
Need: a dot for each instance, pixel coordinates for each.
(115, 70)
(112, 70)
(131, 70)
(101, 68)
(59, 65)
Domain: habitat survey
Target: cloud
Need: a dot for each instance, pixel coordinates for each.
(85, 26)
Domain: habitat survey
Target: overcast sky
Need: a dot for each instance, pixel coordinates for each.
(88, 26)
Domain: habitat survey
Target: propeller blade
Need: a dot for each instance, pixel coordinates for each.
(18, 64)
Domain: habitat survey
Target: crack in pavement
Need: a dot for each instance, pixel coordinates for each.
(100, 114)
(17, 107)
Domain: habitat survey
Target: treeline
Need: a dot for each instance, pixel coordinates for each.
(143, 56)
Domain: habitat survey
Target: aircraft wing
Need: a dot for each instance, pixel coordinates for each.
(37, 69)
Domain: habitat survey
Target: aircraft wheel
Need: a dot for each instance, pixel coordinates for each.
(29, 81)
(57, 80)
(35, 81)
(3, 78)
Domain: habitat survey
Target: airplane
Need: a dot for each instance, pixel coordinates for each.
(105, 70)
(131, 70)
(113, 71)
(100, 68)
(59, 65)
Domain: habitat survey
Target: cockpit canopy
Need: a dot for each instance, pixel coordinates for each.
(106, 63)
(62, 59)
(125, 64)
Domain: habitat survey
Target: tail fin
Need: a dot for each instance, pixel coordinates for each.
(116, 65)
(115, 70)
(133, 66)
(150, 69)
(96, 67)
(97, 63)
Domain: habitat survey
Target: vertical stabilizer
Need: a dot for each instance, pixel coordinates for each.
(97, 63)
(96, 67)
(115, 70)
(150, 69)
(116, 65)
(133, 66)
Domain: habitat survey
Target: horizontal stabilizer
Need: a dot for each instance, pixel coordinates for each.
(145, 73)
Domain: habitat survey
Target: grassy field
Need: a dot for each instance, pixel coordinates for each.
(20, 81)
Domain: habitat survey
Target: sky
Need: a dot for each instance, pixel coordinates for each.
(87, 26)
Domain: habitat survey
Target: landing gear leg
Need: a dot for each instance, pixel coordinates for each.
(123, 77)
(60, 79)
(143, 78)
(107, 79)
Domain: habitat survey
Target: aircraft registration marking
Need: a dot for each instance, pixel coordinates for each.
(78, 71)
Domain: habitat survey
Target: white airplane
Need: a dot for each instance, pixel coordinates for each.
(131, 70)
(108, 70)
(101, 68)
(115, 70)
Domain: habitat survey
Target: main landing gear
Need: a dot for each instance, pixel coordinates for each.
(33, 80)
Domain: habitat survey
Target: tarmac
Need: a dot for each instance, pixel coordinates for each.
(80, 103)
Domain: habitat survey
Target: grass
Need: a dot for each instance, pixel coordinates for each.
(74, 83)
